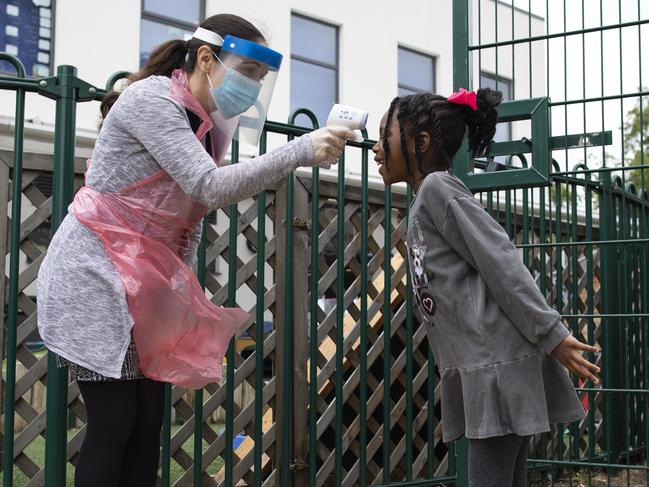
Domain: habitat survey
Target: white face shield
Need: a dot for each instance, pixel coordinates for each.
(244, 93)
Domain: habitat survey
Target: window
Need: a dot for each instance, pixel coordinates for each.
(416, 72)
(163, 20)
(503, 130)
(26, 32)
(314, 67)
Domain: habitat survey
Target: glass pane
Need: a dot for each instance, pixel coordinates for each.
(416, 70)
(503, 130)
(185, 11)
(154, 33)
(313, 40)
(504, 85)
(312, 87)
(403, 91)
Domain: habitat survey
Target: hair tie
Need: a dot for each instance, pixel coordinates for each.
(464, 97)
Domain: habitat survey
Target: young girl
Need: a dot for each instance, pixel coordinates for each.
(498, 345)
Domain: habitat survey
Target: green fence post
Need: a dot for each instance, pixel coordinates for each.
(461, 79)
(165, 463)
(462, 462)
(63, 184)
(613, 412)
(230, 413)
(198, 396)
(259, 325)
(14, 274)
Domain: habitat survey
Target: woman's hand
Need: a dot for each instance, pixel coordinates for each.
(328, 145)
(569, 353)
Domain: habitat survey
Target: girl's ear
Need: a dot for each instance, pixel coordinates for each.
(423, 141)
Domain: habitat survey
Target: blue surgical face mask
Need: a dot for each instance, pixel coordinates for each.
(236, 93)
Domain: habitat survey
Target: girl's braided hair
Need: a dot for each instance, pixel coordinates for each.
(446, 123)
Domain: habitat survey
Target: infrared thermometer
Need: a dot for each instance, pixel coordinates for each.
(349, 117)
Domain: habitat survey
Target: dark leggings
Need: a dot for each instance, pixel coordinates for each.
(122, 442)
(500, 461)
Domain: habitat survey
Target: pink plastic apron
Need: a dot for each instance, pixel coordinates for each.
(180, 336)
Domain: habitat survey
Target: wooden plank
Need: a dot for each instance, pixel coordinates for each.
(40, 162)
(329, 276)
(29, 274)
(26, 328)
(282, 449)
(27, 466)
(35, 219)
(30, 249)
(301, 307)
(35, 373)
(34, 195)
(25, 438)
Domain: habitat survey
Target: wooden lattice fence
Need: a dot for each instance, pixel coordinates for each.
(579, 293)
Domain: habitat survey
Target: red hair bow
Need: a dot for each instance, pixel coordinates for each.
(463, 97)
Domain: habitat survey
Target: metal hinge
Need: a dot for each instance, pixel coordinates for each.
(299, 224)
(298, 465)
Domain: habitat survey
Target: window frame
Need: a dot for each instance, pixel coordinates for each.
(500, 79)
(307, 60)
(163, 19)
(169, 21)
(405, 86)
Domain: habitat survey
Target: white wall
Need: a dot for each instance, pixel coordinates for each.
(369, 35)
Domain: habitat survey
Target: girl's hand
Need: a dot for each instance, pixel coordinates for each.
(569, 353)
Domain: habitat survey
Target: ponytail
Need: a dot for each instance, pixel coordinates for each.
(481, 123)
(164, 59)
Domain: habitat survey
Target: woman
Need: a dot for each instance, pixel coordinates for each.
(120, 264)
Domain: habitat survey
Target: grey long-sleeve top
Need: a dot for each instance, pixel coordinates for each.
(489, 326)
(83, 315)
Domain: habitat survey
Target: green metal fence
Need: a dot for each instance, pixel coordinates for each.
(583, 233)
(341, 388)
(357, 405)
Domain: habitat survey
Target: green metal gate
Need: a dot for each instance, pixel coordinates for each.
(574, 198)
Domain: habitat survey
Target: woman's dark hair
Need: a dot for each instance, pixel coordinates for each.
(178, 53)
(446, 123)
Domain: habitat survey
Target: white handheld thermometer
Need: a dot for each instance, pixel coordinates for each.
(349, 117)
